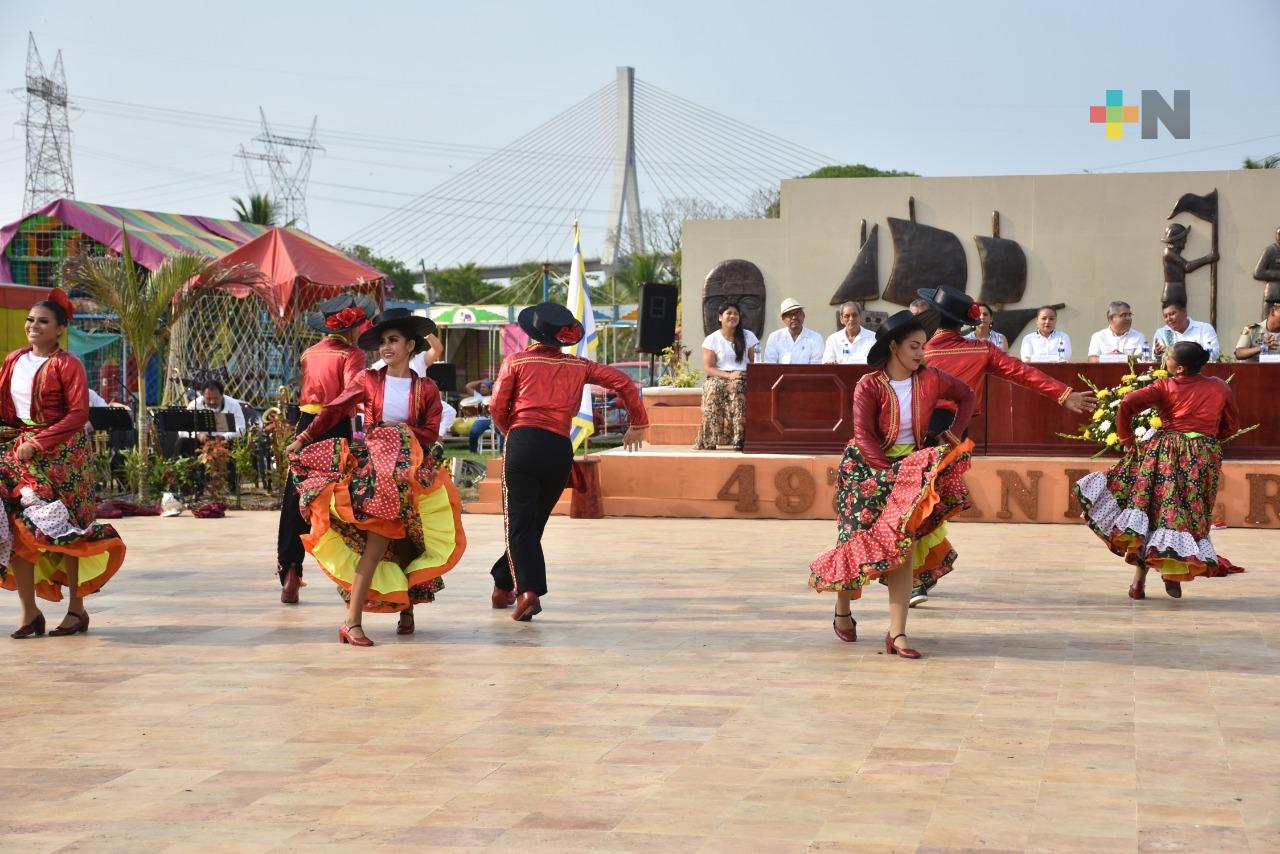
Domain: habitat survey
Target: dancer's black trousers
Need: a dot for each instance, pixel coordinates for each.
(535, 471)
(289, 550)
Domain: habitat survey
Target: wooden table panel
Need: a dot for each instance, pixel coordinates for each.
(805, 409)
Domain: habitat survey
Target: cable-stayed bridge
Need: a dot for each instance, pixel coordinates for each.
(628, 157)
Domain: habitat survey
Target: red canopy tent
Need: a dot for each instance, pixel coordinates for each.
(300, 271)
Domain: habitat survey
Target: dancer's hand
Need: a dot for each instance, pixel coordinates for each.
(634, 438)
(293, 447)
(1082, 402)
(26, 451)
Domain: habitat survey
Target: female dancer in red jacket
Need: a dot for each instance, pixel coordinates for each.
(894, 493)
(386, 520)
(1154, 508)
(44, 454)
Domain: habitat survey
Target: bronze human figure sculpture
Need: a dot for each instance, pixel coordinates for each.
(741, 282)
(1176, 267)
(1268, 271)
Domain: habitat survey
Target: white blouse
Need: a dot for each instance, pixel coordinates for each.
(23, 382)
(723, 348)
(902, 388)
(395, 401)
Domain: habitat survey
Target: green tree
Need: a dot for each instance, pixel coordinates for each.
(404, 282)
(462, 284)
(146, 305)
(258, 209)
(766, 204)
(1271, 161)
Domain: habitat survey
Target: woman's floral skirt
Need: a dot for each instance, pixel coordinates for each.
(386, 485)
(724, 414)
(50, 506)
(1155, 506)
(889, 515)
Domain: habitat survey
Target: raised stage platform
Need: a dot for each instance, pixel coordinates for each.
(1022, 471)
(676, 482)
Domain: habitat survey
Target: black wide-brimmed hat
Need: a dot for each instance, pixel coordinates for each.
(951, 303)
(901, 323)
(551, 323)
(343, 313)
(401, 318)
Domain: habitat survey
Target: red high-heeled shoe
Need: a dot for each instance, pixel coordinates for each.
(35, 627)
(902, 652)
(846, 635)
(1137, 590)
(81, 626)
(344, 635)
(405, 626)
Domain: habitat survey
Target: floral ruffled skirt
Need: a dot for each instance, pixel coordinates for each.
(1155, 506)
(889, 515)
(50, 516)
(386, 485)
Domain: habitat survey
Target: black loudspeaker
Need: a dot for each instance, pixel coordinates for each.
(445, 375)
(656, 326)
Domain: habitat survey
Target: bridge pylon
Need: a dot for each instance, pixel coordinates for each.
(624, 200)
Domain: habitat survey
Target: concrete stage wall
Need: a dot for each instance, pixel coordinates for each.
(678, 483)
(1088, 239)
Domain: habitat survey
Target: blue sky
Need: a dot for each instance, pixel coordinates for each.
(938, 88)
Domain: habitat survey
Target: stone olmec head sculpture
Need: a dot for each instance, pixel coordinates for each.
(737, 281)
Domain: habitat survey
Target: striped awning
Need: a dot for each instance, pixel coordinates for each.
(153, 236)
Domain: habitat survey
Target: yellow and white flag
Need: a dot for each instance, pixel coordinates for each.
(580, 305)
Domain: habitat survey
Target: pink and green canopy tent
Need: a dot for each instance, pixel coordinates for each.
(153, 236)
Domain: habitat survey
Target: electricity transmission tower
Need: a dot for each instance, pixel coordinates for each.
(48, 133)
(288, 188)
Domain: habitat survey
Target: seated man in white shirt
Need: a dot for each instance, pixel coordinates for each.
(1179, 327)
(1119, 337)
(1046, 343)
(214, 398)
(850, 345)
(793, 344)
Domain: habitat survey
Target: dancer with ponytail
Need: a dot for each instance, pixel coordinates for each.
(1154, 508)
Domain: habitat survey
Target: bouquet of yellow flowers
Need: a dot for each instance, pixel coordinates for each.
(1101, 427)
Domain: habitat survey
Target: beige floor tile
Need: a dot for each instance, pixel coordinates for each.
(665, 701)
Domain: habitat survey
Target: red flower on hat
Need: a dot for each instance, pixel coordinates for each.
(569, 335)
(347, 318)
(975, 312)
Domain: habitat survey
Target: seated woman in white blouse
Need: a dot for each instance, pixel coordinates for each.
(1046, 343)
(725, 356)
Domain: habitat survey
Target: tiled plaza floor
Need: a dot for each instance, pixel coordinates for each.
(682, 691)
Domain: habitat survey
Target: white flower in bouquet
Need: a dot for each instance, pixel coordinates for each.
(1104, 428)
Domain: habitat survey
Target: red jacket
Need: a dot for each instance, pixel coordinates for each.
(970, 361)
(1194, 404)
(876, 417)
(425, 408)
(331, 377)
(59, 398)
(542, 387)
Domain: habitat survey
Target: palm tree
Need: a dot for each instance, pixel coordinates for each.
(147, 305)
(1271, 161)
(259, 209)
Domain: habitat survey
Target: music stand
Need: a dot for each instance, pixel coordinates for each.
(110, 418)
(175, 419)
